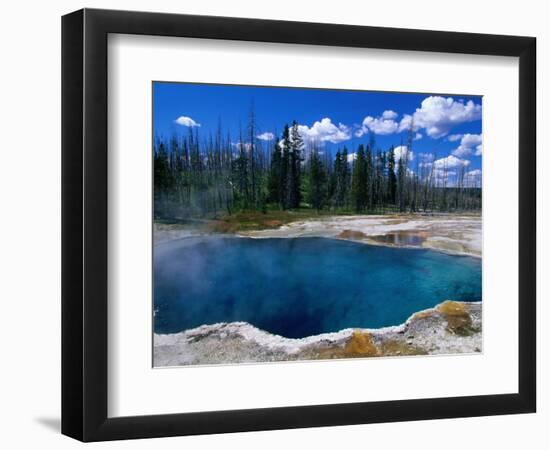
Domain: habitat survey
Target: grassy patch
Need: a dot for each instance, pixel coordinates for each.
(254, 220)
(257, 220)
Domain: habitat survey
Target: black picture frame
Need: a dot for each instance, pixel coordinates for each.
(84, 224)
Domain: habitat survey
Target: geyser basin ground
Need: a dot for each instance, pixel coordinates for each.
(299, 287)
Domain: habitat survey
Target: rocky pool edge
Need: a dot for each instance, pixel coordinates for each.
(451, 327)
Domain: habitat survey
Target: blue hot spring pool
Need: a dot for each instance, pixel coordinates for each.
(303, 286)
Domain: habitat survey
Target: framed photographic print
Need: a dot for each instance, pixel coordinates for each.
(273, 224)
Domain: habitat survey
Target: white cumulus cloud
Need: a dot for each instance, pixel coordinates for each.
(186, 122)
(324, 130)
(438, 115)
(469, 143)
(450, 162)
(399, 152)
(267, 136)
(454, 137)
(444, 176)
(389, 114)
(385, 124)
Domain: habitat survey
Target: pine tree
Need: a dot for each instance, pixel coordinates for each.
(401, 172)
(392, 180)
(344, 179)
(285, 172)
(294, 167)
(380, 163)
(336, 187)
(369, 176)
(274, 187)
(241, 176)
(317, 179)
(359, 181)
(162, 181)
(252, 156)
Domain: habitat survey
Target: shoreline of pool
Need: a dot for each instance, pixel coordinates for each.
(448, 233)
(448, 328)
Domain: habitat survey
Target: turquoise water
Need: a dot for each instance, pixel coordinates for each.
(304, 286)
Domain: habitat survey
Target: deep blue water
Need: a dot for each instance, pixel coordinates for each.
(304, 286)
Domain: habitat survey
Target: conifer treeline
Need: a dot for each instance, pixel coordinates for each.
(198, 178)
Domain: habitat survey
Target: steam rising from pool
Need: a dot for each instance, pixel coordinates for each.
(303, 286)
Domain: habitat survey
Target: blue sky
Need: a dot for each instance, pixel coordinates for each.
(445, 124)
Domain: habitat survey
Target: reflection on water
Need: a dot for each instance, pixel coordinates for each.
(401, 238)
